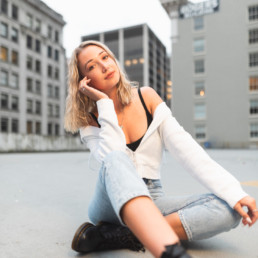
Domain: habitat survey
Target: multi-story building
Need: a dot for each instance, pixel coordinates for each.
(215, 70)
(140, 53)
(32, 69)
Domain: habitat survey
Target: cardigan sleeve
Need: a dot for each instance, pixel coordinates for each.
(110, 137)
(194, 159)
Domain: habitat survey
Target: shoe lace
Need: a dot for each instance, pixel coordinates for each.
(120, 237)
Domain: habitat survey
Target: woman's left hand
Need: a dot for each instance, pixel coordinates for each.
(251, 215)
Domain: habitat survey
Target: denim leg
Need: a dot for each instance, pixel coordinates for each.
(202, 216)
(118, 183)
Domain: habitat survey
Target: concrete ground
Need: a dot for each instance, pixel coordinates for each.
(44, 198)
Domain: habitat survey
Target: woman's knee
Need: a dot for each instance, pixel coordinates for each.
(229, 216)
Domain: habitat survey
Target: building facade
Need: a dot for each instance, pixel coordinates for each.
(141, 54)
(32, 69)
(215, 71)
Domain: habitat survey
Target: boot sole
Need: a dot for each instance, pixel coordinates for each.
(78, 234)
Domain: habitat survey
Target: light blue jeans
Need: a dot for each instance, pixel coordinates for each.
(202, 216)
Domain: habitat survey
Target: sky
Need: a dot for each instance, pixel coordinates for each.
(85, 17)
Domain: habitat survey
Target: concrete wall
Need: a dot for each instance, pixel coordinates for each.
(31, 143)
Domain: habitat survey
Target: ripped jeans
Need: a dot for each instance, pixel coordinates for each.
(202, 216)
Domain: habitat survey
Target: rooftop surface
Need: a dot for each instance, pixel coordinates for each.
(44, 199)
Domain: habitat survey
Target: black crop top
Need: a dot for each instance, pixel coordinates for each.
(134, 145)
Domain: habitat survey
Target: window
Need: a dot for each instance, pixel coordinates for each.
(4, 124)
(49, 71)
(29, 62)
(38, 66)
(49, 32)
(199, 111)
(4, 6)
(254, 130)
(49, 51)
(29, 21)
(56, 55)
(253, 36)
(56, 36)
(14, 83)
(38, 128)
(198, 45)
(15, 103)
(49, 90)
(56, 129)
(200, 132)
(37, 46)
(29, 127)
(56, 73)
(14, 35)
(38, 25)
(29, 106)
(3, 30)
(57, 111)
(38, 87)
(4, 78)
(253, 59)
(4, 54)
(253, 13)
(199, 66)
(198, 23)
(4, 101)
(14, 57)
(254, 106)
(29, 85)
(57, 92)
(15, 125)
(253, 83)
(49, 129)
(50, 110)
(199, 89)
(14, 12)
(38, 107)
(29, 42)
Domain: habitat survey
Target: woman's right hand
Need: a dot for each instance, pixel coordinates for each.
(90, 91)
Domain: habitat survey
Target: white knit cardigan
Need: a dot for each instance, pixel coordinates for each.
(163, 133)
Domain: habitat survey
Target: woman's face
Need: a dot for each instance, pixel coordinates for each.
(97, 65)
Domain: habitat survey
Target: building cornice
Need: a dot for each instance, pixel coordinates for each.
(38, 4)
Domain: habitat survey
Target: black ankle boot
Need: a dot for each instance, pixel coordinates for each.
(105, 236)
(175, 251)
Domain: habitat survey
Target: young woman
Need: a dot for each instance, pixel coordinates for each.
(126, 129)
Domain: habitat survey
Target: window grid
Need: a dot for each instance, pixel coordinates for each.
(14, 83)
(14, 35)
(253, 36)
(4, 124)
(253, 83)
(15, 125)
(4, 78)
(253, 13)
(4, 30)
(253, 59)
(199, 45)
(254, 106)
(4, 101)
(200, 132)
(199, 66)
(198, 23)
(4, 54)
(15, 103)
(200, 111)
(199, 89)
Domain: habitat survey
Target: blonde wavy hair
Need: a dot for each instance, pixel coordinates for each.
(78, 105)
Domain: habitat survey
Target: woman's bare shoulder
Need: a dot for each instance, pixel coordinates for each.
(151, 98)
